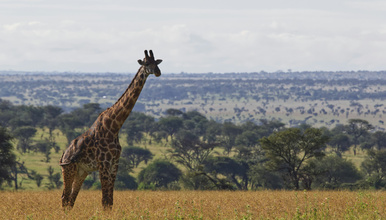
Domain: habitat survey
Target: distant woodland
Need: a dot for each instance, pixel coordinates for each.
(315, 98)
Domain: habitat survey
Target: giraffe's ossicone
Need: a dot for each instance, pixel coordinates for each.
(98, 148)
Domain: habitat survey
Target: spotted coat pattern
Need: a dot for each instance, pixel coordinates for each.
(98, 148)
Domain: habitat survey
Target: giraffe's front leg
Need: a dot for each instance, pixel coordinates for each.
(107, 177)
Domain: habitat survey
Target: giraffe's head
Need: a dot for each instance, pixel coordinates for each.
(150, 64)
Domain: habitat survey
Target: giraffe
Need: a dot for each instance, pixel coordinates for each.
(98, 148)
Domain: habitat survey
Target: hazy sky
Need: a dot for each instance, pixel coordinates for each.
(193, 36)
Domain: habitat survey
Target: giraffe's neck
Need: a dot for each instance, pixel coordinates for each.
(115, 116)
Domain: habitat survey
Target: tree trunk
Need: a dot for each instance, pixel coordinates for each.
(14, 171)
(355, 150)
(239, 186)
(295, 179)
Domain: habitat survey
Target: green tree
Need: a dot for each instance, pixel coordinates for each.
(136, 125)
(78, 118)
(248, 151)
(340, 143)
(262, 177)
(161, 173)
(37, 177)
(51, 120)
(68, 123)
(45, 148)
(219, 167)
(88, 113)
(268, 127)
(18, 169)
(136, 155)
(159, 135)
(134, 133)
(7, 112)
(7, 158)
(379, 138)
(374, 167)
(213, 131)
(229, 133)
(331, 172)
(51, 114)
(195, 122)
(247, 146)
(54, 179)
(24, 135)
(188, 150)
(125, 181)
(26, 116)
(290, 149)
(173, 112)
(357, 128)
(171, 125)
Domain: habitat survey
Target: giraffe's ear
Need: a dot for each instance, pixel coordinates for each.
(158, 61)
(141, 62)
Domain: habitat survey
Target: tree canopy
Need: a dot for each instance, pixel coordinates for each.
(289, 150)
(7, 157)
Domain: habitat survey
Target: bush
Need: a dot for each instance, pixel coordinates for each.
(144, 186)
(160, 173)
(97, 185)
(88, 182)
(125, 182)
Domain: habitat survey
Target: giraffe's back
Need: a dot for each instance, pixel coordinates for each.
(77, 149)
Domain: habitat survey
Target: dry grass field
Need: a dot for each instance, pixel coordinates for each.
(199, 205)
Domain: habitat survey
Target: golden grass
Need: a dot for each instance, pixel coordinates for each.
(199, 205)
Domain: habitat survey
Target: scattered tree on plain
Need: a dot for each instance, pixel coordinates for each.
(289, 150)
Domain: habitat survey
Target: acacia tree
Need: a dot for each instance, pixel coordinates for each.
(229, 133)
(7, 158)
(37, 177)
(340, 143)
(134, 133)
(374, 167)
(357, 128)
(333, 171)
(136, 125)
(189, 151)
(288, 151)
(19, 172)
(219, 167)
(213, 131)
(78, 118)
(171, 125)
(50, 119)
(379, 138)
(136, 155)
(24, 135)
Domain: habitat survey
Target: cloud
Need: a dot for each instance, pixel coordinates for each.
(373, 6)
(242, 36)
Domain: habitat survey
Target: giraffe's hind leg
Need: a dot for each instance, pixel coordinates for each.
(68, 173)
(80, 176)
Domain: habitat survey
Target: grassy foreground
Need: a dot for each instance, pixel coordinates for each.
(199, 205)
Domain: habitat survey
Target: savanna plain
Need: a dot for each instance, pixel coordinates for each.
(199, 205)
(325, 101)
